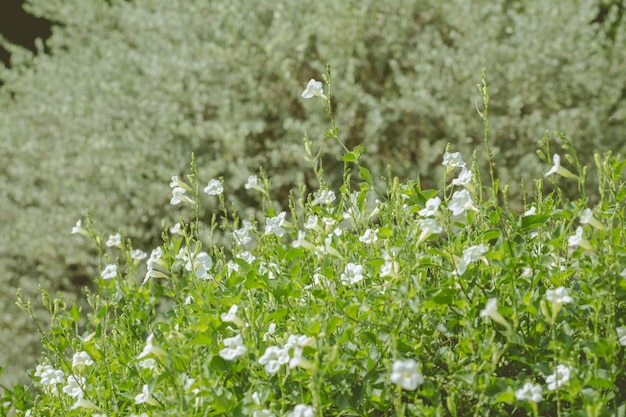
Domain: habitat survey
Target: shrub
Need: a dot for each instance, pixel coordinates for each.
(426, 302)
(130, 89)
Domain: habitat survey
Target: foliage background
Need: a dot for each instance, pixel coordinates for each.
(131, 88)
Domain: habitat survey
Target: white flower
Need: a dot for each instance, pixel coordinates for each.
(461, 201)
(231, 316)
(83, 403)
(452, 160)
(428, 227)
(405, 374)
(274, 224)
(263, 413)
(273, 358)
(80, 360)
(311, 222)
(149, 363)
(621, 335)
(232, 267)
(531, 211)
(78, 229)
(369, 236)
(253, 181)
(302, 410)
(464, 179)
(242, 236)
(326, 197)
(558, 169)
(431, 207)
(586, 217)
(214, 187)
(155, 258)
(246, 256)
(150, 349)
(110, 271)
(491, 311)
(313, 89)
(178, 196)
(145, 396)
(529, 392)
(559, 296)
(352, 274)
(73, 387)
(114, 240)
(270, 331)
(475, 253)
(577, 239)
(389, 268)
(50, 377)
(176, 229)
(201, 265)
(559, 377)
(138, 254)
(234, 347)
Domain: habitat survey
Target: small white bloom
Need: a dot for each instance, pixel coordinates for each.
(232, 267)
(405, 374)
(491, 311)
(114, 240)
(78, 229)
(313, 89)
(531, 211)
(464, 179)
(80, 360)
(149, 363)
(110, 271)
(150, 349)
(558, 169)
(178, 196)
(428, 227)
(270, 331)
(389, 268)
(352, 274)
(577, 239)
(145, 396)
(138, 254)
(461, 201)
(311, 222)
(263, 413)
(73, 387)
(253, 183)
(246, 256)
(201, 265)
(529, 392)
(475, 253)
(559, 296)
(273, 358)
(242, 236)
(302, 410)
(431, 207)
(370, 236)
(231, 316)
(233, 347)
(559, 377)
(326, 197)
(50, 377)
(452, 160)
(274, 224)
(621, 335)
(214, 187)
(177, 229)
(586, 217)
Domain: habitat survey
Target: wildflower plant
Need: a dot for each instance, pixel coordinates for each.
(390, 300)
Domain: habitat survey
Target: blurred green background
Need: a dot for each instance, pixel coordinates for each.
(102, 110)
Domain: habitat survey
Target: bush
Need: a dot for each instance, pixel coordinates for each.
(424, 302)
(130, 89)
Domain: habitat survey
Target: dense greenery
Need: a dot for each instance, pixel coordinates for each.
(361, 301)
(131, 88)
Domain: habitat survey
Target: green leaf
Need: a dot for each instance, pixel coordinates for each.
(532, 221)
(366, 175)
